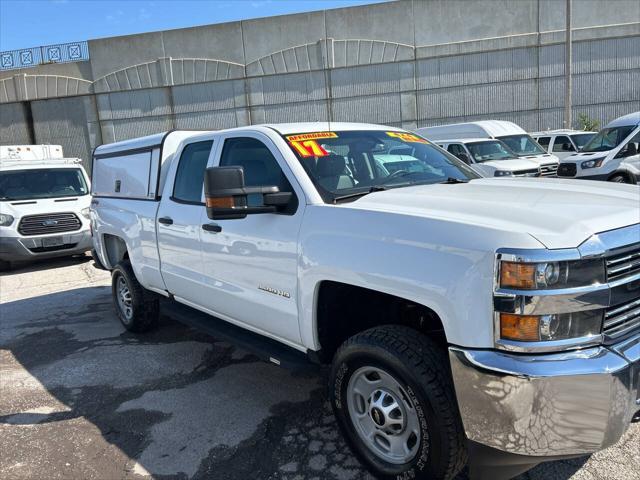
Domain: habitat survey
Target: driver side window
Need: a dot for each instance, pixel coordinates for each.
(259, 165)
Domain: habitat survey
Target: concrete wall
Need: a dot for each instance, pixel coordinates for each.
(408, 63)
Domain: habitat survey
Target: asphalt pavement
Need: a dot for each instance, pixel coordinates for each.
(82, 398)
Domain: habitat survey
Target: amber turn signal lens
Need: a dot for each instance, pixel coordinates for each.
(524, 328)
(220, 202)
(518, 275)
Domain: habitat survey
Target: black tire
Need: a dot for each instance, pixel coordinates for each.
(620, 178)
(144, 305)
(422, 369)
(5, 266)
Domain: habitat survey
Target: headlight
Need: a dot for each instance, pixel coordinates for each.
(86, 212)
(592, 163)
(503, 173)
(5, 220)
(540, 328)
(551, 275)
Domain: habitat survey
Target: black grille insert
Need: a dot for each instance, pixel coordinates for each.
(49, 223)
(567, 170)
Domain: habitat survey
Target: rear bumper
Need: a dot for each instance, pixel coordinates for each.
(16, 249)
(548, 405)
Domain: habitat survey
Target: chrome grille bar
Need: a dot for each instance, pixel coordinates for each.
(622, 319)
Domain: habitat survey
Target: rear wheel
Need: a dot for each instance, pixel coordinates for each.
(137, 308)
(393, 397)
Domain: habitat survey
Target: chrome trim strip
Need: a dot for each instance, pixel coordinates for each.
(537, 255)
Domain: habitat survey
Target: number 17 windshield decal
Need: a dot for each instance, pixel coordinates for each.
(307, 146)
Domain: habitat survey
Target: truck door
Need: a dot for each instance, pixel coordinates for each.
(178, 222)
(250, 265)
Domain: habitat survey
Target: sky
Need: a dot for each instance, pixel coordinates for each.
(34, 23)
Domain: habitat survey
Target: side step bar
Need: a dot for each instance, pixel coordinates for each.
(262, 347)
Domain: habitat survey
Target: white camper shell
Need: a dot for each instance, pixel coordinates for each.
(490, 157)
(515, 137)
(44, 204)
(613, 154)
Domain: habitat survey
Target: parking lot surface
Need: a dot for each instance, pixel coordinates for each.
(82, 398)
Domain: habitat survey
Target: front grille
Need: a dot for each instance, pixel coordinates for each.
(527, 173)
(66, 246)
(622, 319)
(549, 170)
(567, 170)
(49, 223)
(624, 264)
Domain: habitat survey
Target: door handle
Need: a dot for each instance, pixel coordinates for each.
(212, 227)
(166, 220)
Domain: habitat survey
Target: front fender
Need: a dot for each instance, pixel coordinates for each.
(443, 265)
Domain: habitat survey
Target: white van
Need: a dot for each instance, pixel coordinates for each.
(515, 137)
(563, 142)
(44, 204)
(613, 154)
(490, 158)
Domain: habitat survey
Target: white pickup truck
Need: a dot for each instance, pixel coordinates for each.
(495, 321)
(44, 204)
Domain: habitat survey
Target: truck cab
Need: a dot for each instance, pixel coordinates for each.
(519, 141)
(494, 321)
(563, 142)
(490, 158)
(44, 204)
(612, 155)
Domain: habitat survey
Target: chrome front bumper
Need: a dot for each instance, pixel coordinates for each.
(546, 405)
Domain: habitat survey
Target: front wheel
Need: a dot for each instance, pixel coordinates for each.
(137, 309)
(393, 397)
(620, 178)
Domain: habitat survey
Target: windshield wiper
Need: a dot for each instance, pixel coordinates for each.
(375, 188)
(452, 180)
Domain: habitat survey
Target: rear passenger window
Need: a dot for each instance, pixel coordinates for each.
(563, 144)
(190, 173)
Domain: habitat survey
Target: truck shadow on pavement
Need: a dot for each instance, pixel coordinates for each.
(83, 398)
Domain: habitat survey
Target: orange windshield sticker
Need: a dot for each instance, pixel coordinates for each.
(407, 137)
(308, 148)
(311, 136)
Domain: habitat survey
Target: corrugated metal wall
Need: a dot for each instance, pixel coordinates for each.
(524, 85)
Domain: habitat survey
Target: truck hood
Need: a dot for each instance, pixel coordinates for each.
(21, 208)
(541, 159)
(512, 165)
(558, 213)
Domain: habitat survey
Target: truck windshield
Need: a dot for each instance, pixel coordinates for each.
(487, 151)
(347, 162)
(608, 138)
(581, 139)
(523, 145)
(42, 183)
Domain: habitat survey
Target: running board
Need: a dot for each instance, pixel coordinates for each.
(262, 347)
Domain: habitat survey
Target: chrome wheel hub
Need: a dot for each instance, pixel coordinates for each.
(125, 301)
(383, 415)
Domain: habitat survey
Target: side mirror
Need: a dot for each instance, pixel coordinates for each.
(226, 195)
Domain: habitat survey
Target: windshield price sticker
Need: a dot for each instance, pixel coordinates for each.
(311, 136)
(407, 137)
(306, 146)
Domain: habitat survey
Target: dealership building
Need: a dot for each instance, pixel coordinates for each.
(407, 63)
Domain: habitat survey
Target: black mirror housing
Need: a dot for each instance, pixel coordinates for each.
(226, 194)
